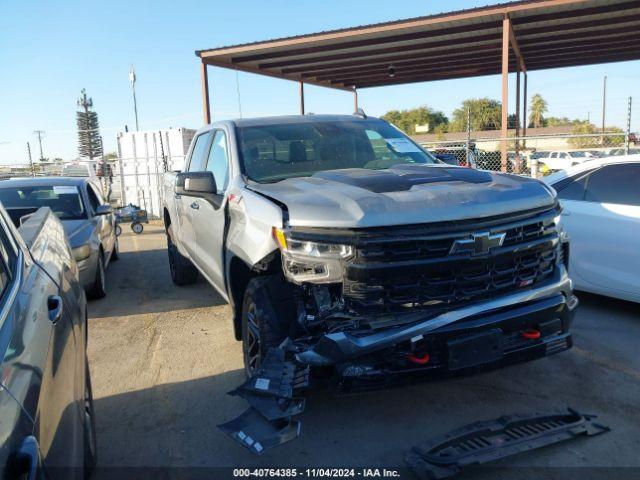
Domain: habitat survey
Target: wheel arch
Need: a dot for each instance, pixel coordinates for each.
(240, 274)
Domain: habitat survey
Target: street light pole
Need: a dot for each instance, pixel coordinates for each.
(132, 79)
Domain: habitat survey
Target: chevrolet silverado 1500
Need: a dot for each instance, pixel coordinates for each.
(342, 242)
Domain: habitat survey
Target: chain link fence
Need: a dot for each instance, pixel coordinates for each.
(533, 156)
(139, 180)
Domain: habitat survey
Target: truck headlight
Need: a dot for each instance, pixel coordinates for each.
(82, 252)
(315, 262)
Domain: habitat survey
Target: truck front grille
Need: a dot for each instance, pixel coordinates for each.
(408, 270)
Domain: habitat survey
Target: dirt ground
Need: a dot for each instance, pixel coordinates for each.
(163, 357)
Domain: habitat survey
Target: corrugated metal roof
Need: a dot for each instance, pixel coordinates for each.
(549, 33)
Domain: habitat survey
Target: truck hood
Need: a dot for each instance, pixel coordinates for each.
(403, 194)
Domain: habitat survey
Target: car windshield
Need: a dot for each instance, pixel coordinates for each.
(271, 153)
(63, 200)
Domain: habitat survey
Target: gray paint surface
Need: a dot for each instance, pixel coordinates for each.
(319, 202)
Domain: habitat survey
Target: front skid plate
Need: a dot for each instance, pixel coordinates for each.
(270, 393)
(257, 434)
(483, 442)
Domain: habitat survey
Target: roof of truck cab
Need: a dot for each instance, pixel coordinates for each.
(42, 181)
(287, 119)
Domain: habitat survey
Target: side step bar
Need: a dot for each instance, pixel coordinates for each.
(270, 395)
(483, 442)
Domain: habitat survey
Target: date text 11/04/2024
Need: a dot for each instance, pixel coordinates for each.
(316, 472)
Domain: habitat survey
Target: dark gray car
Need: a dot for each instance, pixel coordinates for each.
(47, 425)
(86, 217)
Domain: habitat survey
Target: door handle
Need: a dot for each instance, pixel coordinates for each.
(54, 305)
(195, 206)
(177, 196)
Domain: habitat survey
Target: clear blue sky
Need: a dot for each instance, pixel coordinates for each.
(49, 51)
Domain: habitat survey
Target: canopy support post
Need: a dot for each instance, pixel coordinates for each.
(506, 29)
(206, 107)
(301, 89)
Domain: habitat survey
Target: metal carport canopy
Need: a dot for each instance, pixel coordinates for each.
(509, 37)
(550, 34)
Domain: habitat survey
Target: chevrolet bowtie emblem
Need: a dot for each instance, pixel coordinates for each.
(479, 244)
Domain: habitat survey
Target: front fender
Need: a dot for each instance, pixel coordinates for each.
(251, 220)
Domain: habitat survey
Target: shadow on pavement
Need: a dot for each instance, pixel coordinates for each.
(140, 282)
(175, 424)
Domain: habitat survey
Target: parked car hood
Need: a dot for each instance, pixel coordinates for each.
(78, 231)
(403, 194)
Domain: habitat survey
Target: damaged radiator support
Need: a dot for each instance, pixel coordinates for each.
(270, 395)
(483, 442)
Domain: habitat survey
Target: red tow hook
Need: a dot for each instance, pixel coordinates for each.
(531, 334)
(423, 360)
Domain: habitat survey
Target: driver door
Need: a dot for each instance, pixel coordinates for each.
(186, 205)
(209, 218)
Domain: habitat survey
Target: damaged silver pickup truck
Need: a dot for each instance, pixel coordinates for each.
(362, 259)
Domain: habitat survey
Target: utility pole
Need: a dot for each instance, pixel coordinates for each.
(132, 79)
(33, 170)
(40, 134)
(604, 106)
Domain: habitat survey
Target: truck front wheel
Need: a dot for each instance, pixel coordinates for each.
(182, 270)
(261, 327)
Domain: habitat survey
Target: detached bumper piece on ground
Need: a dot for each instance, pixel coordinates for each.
(270, 393)
(483, 442)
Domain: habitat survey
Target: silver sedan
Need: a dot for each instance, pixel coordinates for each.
(87, 219)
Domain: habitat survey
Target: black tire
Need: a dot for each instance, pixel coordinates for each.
(115, 253)
(99, 289)
(90, 445)
(118, 230)
(262, 328)
(137, 228)
(182, 270)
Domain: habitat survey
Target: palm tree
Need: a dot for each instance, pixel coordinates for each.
(538, 108)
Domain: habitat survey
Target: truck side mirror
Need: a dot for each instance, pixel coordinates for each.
(197, 183)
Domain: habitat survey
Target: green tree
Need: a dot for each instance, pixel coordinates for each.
(585, 128)
(440, 130)
(561, 121)
(486, 114)
(538, 108)
(406, 120)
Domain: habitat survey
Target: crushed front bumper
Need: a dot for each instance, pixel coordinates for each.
(489, 334)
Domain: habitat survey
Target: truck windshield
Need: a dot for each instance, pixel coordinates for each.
(63, 200)
(274, 152)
